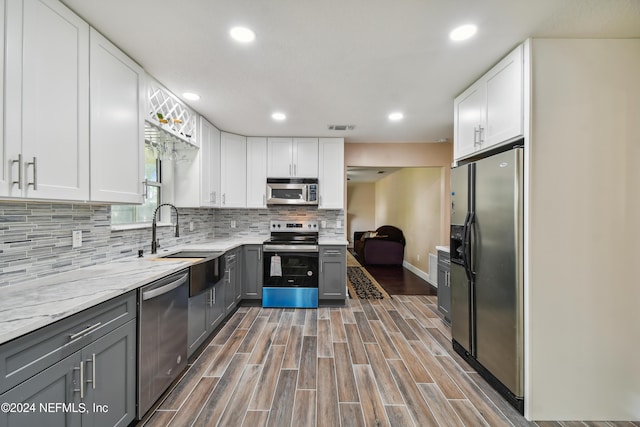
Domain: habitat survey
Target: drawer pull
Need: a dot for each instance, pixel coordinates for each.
(84, 331)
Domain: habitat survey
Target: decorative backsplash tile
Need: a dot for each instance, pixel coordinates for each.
(35, 237)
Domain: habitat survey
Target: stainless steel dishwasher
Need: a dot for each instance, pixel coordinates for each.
(162, 336)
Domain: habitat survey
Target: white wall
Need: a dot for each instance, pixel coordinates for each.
(583, 282)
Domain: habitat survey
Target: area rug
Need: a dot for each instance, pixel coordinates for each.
(360, 283)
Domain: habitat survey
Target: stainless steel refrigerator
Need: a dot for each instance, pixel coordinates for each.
(487, 270)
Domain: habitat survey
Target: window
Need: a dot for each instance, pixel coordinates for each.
(133, 214)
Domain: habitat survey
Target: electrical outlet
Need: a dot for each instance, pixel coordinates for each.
(418, 257)
(323, 224)
(233, 223)
(191, 226)
(76, 237)
(338, 224)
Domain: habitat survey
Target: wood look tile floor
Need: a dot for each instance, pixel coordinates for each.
(370, 363)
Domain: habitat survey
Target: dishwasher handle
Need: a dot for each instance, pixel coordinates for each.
(166, 288)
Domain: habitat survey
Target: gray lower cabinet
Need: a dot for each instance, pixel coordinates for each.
(232, 283)
(80, 371)
(206, 311)
(252, 272)
(332, 283)
(444, 285)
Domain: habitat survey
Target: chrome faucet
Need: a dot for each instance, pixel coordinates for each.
(154, 241)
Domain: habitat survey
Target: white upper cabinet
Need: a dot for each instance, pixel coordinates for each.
(46, 102)
(505, 99)
(209, 137)
(233, 170)
(292, 157)
(331, 177)
(256, 172)
(491, 111)
(305, 157)
(117, 124)
(469, 118)
(4, 165)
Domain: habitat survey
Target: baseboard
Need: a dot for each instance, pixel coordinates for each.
(421, 274)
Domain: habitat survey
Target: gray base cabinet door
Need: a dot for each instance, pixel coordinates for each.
(57, 385)
(444, 285)
(215, 313)
(206, 311)
(333, 273)
(198, 330)
(252, 277)
(110, 379)
(233, 280)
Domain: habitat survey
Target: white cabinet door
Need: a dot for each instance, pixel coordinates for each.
(47, 100)
(256, 172)
(505, 94)
(331, 179)
(209, 164)
(279, 157)
(117, 124)
(4, 164)
(469, 120)
(305, 157)
(233, 170)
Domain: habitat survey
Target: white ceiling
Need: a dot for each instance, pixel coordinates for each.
(338, 61)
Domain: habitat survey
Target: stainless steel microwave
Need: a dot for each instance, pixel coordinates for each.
(292, 191)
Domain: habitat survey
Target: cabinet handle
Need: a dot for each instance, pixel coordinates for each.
(145, 190)
(81, 389)
(86, 330)
(93, 371)
(34, 163)
(214, 196)
(476, 131)
(224, 198)
(19, 162)
(295, 169)
(259, 254)
(481, 134)
(213, 296)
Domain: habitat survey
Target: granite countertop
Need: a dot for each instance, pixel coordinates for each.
(34, 304)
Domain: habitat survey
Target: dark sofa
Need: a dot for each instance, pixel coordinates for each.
(385, 248)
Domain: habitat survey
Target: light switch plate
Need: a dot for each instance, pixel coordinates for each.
(76, 237)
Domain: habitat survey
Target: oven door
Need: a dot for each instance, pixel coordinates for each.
(290, 267)
(290, 279)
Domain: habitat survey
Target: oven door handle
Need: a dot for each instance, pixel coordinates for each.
(290, 248)
(164, 289)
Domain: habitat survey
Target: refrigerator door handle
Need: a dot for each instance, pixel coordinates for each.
(463, 246)
(467, 245)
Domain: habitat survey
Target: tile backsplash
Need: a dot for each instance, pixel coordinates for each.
(35, 237)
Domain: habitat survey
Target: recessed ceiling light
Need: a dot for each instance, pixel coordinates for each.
(394, 117)
(279, 116)
(191, 96)
(463, 32)
(242, 34)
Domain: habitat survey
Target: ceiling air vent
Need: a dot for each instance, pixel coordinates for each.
(341, 127)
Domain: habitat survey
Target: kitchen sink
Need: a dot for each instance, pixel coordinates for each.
(206, 270)
(193, 254)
